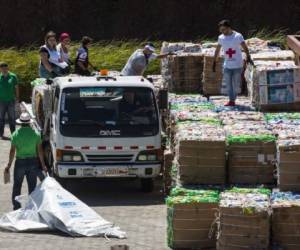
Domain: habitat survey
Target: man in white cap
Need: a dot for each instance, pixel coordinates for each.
(139, 60)
(26, 144)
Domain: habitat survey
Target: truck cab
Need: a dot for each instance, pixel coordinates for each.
(102, 127)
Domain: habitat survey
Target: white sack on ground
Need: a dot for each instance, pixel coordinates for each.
(52, 205)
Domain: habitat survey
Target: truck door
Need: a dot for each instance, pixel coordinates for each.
(54, 117)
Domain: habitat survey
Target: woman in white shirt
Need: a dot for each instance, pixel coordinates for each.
(63, 47)
(51, 64)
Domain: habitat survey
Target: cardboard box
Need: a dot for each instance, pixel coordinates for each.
(190, 225)
(251, 163)
(241, 230)
(288, 168)
(286, 227)
(212, 81)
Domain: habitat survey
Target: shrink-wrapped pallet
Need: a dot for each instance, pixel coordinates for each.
(244, 219)
(190, 216)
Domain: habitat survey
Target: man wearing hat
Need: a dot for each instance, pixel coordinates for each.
(9, 93)
(139, 60)
(26, 143)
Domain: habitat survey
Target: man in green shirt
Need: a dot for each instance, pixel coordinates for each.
(26, 143)
(9, 93)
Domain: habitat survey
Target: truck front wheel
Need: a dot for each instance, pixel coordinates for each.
(147, 185)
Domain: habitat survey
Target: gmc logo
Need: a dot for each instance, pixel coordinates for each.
(110, 132)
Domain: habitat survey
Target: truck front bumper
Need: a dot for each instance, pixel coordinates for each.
(107, 171)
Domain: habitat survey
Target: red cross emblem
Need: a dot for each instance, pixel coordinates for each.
(230, 52)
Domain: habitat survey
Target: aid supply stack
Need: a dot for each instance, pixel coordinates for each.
(212, 81)
(196, 130)
(251, 148)
(200, 153)
(244, 219)
(190, 216)
(287, 127)
(183, 71)
(274, 85)
(285, 220)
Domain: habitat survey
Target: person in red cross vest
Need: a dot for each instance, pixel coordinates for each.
(232, 43)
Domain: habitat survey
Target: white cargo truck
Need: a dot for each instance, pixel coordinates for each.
(99, 127)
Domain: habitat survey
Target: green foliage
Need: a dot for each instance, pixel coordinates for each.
(109, 55)
(278, 36)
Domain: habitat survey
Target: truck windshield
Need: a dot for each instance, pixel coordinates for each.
(108, 112)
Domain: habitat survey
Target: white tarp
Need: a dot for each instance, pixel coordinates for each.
(51, 207)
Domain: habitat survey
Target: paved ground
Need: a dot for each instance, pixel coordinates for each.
(142, 216)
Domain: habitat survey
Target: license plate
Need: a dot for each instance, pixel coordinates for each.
(113, 172)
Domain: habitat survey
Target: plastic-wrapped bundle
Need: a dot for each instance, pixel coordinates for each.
(183, 72)
(190, 217)
(284, 125)
(274, 85)
(287, 128)
(207, 117)
(186, 98)
(200, 153)
(232, 117)
(276, 55)
(285, 220)
(186, 71)
(251, 153)
(244, 219)
(256, 44)
(212, 81)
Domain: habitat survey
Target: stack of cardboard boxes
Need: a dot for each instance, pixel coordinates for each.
(274, 85)
(251, 148)
(212, 81)
(286, 126)
(288, 166)
(190, 218)
(285, 220)
(186, 72)
(201, 157)
(244, 220)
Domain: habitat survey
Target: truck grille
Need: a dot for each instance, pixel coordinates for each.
(110, 158)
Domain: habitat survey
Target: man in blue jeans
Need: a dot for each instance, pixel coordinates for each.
(231, 42)
(9, 93)
(26, 143)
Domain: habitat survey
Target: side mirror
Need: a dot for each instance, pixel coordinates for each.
(163, 102)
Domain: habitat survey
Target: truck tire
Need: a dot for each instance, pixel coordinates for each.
(147, 185)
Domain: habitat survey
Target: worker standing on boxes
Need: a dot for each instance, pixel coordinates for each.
(231, 42)
(26, 143)
(82, 62)
(139, 60)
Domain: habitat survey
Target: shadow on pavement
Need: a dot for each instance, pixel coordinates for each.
(114, 192)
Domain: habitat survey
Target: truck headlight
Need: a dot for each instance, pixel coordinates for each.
(68, 156)
(149, 155)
